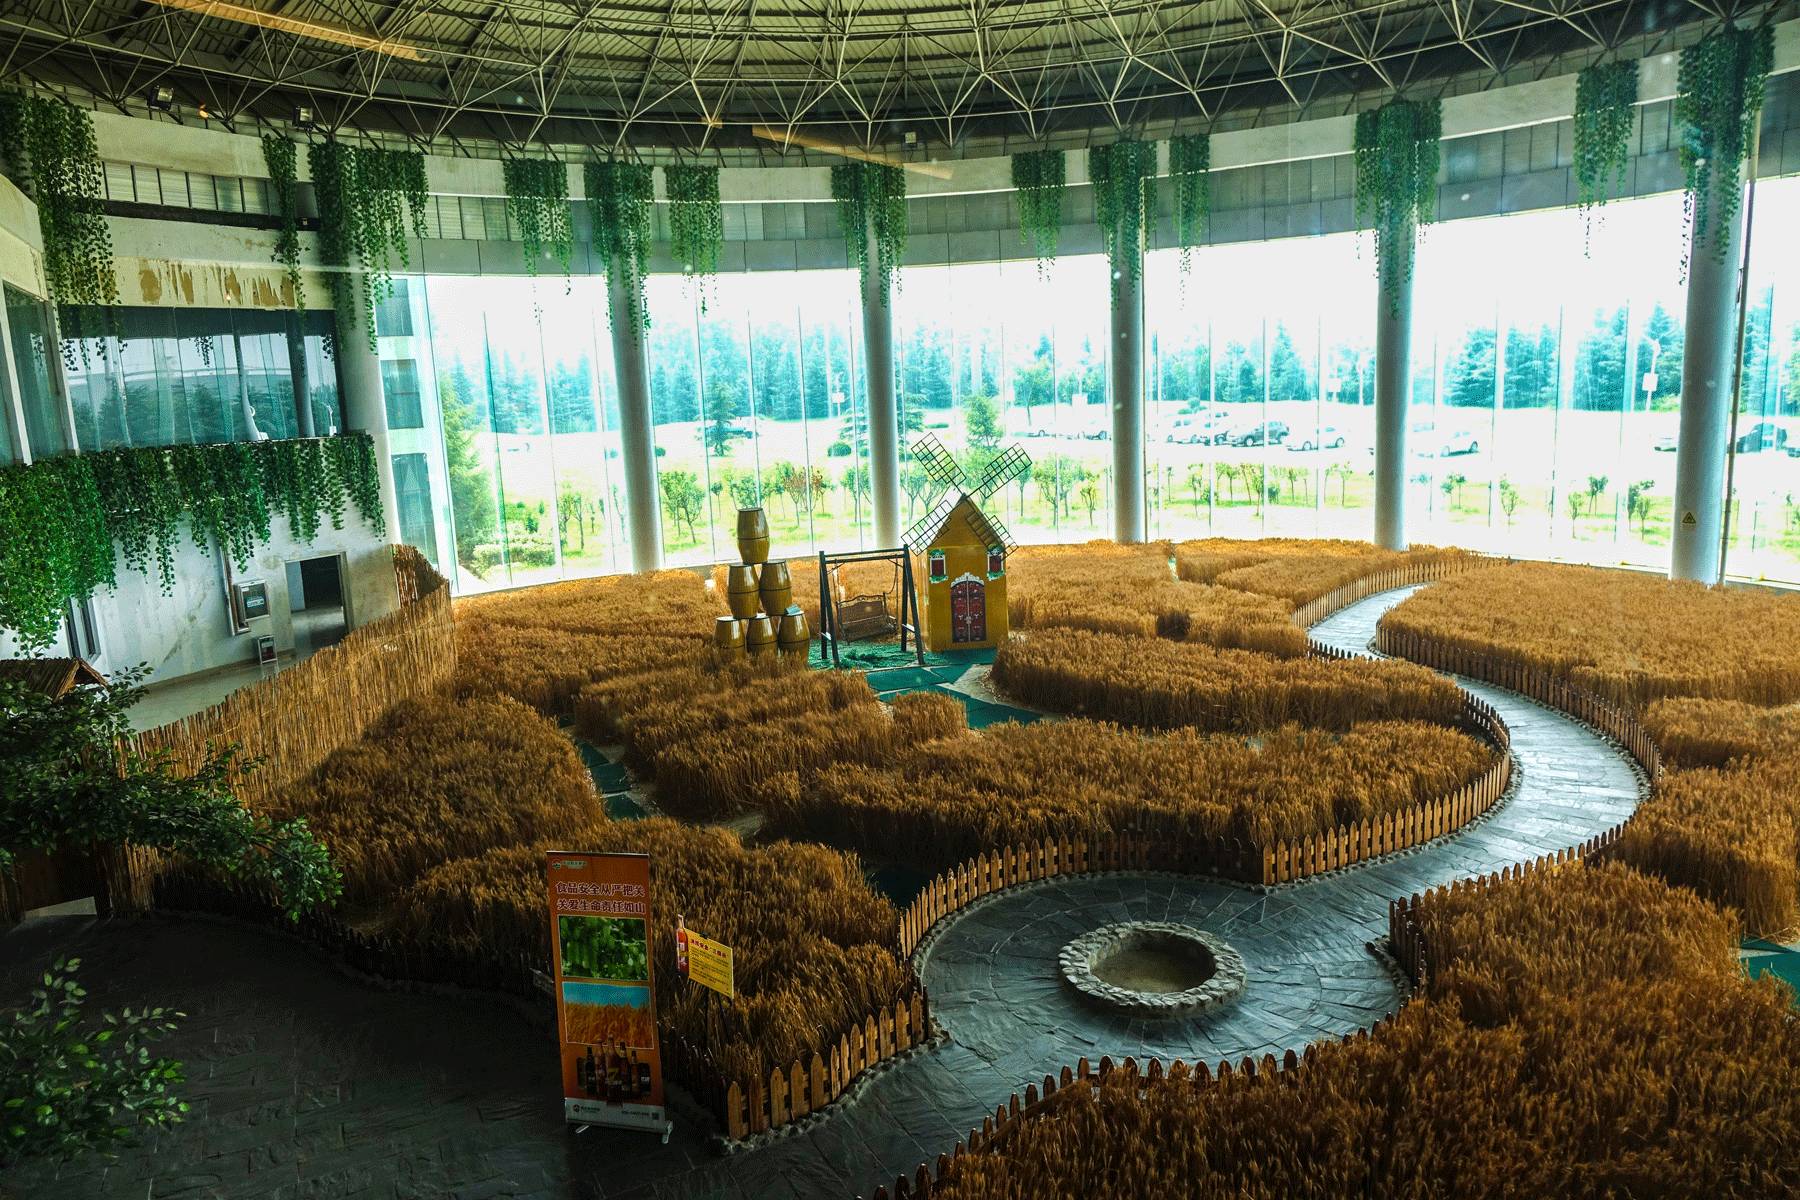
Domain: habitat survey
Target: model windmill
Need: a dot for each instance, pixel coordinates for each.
(965, 550)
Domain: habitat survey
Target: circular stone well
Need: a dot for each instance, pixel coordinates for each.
(1153, 968)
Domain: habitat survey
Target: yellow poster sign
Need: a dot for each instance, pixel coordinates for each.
(709, 964)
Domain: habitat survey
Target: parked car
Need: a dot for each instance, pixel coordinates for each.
(1665, 444)
(1266, 433)
(1327, 436)
(1429, 444)
(1764, 435)
(1196, 429)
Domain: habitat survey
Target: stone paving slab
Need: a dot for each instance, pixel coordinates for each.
(306, 1083)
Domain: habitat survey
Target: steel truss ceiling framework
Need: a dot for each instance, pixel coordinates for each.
(698, 73)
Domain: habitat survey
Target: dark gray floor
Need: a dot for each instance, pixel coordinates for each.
(307, 1084)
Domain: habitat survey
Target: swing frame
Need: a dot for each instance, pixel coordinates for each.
(908, 621)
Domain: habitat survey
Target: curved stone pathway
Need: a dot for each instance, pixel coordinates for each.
(305, 1083)
(993, 973)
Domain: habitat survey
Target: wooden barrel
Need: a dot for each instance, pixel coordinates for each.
(753, 535)
(759, 636)
(741, 591)
(776, 587)
(728, 636)
(793, 637)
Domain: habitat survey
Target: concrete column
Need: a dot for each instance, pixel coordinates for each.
(359, 371)
(643, 503)
(1393, 386)
(1708, 363)
(884, 417)
(1128, 401)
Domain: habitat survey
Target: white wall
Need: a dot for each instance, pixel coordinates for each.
(190, 629)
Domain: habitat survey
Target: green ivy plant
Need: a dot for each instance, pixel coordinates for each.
(1124, 178)
(279, 157)
(369, 200)
(69, 776)
(1605, 115)
(61, 518)
(1190, 167)
(1719, 97)
(696, 222)
(872, 196)
(50, 148)
(537, 202)
(71, 1084)
(1397, 153)
(621, 196)
(1038, 179)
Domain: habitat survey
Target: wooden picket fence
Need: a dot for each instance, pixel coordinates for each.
(1314, 611)
(800, 1089)
(1620, 724)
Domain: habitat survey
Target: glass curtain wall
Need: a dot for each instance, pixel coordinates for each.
(1259, 393)
(1547, 376)
(191, 376)
(995, 354)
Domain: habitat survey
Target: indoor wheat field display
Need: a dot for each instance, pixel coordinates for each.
(1015, 604)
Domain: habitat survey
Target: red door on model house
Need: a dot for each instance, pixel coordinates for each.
(968, 610)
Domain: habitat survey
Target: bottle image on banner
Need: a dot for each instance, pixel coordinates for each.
(600, 907)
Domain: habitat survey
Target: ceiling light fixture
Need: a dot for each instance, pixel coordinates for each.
(303, 117)
(318, 31)
(796, 138)
(161, 97)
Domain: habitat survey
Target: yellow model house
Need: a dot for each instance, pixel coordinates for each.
(965, 581)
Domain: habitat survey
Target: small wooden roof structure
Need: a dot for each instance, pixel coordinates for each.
(51, 676)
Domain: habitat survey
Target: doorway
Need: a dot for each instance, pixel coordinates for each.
(968, 610)
(317, 603)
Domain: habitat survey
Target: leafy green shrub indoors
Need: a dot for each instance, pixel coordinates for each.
(69, 1085)
(1605, 114)
(1397, 155)
(69, 777)
(1719, 98)
(871, 199)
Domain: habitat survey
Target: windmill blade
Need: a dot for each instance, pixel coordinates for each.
(940, 468)
(1002, 471)
(988, 528)
(927, 525)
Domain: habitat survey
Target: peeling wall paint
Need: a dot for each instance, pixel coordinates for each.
(163, 281)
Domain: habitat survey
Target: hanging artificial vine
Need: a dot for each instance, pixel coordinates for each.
(1190, 166)
(1396, 180)
(872, 196)
(696, 223)
(61, 518)
(1124, 179)
(537, 203)
(369, 200)
(1605, 113)
(279, 157)
(49, 146)
(1718, 101)
(1038, 179)
(620, 196)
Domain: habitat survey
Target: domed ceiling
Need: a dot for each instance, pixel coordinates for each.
(720, 73)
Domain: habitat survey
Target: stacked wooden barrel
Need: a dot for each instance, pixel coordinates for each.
(764, 618)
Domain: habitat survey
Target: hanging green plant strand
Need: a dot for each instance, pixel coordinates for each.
(1718, 101)
(369, 201)
(1605, 116)
(49, 147)
(1124, 178)
(1190, 166)
(537, 204)
(62, 518)
(696, 223)
(620, 197)
(1038, 178)
(872, 197)
(1397, 151)
(279, 156)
